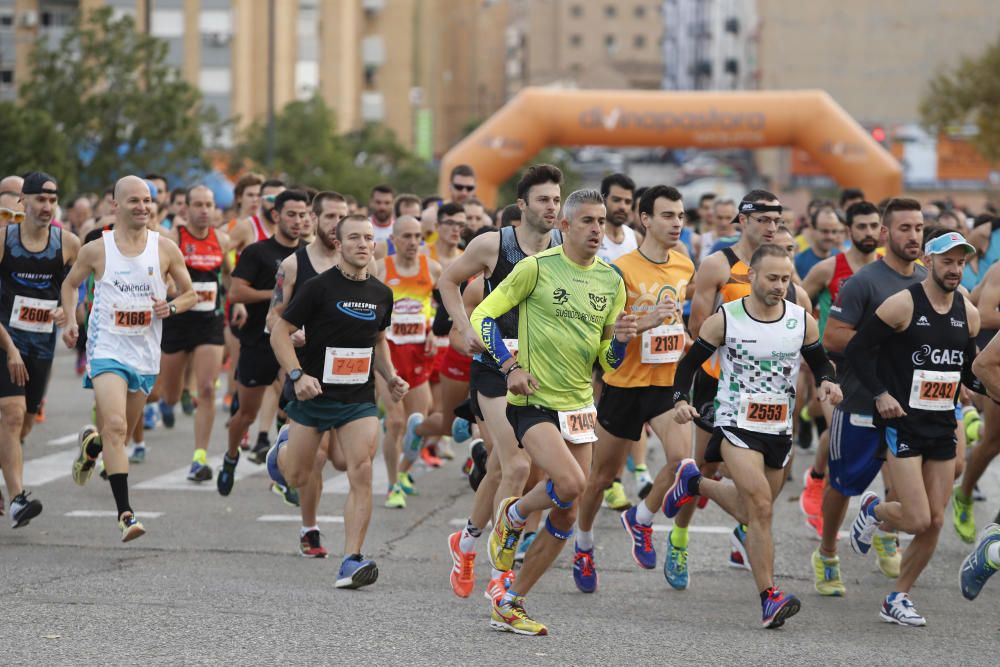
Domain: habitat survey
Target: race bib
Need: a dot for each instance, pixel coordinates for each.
(511, 345)
(206, 293)
(131, 320)
(934, 390)
(663, 344)
(407, 329)
(764, 413)
(347, 365)
(32, 314)
(577, 426)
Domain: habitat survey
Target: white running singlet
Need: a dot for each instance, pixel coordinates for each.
(381, 233)
(122, 326)
(610, 251)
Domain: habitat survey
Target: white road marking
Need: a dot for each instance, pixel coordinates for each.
(44, 469)
(103, 514)
(63, 439)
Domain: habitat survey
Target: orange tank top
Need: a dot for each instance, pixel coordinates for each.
(411, 295)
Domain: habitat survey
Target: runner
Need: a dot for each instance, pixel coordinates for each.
(130, 266)
(334, 386)
(254, 227)
(494, 255)
(924, 339)
(854, 440)
(570, 305)
(33, 259)
(758, 339)
(461, 183)
(380, 209)
(195, 339)
(295, 271)
(641, 389)
(252, 283)
(823, 284)
(412, 276)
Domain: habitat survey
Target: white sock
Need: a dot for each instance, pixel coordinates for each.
(305, 529)
(139, 445)
(585, 539)
(643, 515)
(515, 516)
(467, 542)
(993, 554)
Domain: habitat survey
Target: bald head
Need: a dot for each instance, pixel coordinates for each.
(133, 202)
(128, 185)
(11, 184)
(406, 236)
(404, 223)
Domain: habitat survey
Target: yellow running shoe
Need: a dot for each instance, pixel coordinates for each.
(615, 498)
(963, 516)
(887, 547)
(83, 465)
(396, 498)
(131, 528)
(511, 617)
(827, 572)
(503, 539)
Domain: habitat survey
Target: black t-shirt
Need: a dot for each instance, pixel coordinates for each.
(342, 319)
(258, 266)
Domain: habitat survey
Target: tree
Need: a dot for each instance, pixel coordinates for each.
(968, 93)
(121, 108)
(31, 142)
(309, 151)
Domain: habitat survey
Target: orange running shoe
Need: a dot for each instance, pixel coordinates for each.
(499, 586)
(40, 417)
(430, 458)
(463, 577)
(811, 501)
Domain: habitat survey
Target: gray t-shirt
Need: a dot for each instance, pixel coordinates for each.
(857, 302)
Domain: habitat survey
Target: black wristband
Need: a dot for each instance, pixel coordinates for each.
(681, 396)
(513, 367)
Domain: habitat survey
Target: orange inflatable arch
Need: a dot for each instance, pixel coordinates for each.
(810, 119)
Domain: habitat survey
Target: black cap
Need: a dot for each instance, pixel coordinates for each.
(34, 184)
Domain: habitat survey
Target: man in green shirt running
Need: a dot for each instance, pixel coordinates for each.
(570, 313)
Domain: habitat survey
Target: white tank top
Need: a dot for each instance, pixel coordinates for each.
(759, 368)
(122, 326)
(610, 251)
(381, 233)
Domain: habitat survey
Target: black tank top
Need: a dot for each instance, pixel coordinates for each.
(29, 278)
(304, 271)
(922, 367)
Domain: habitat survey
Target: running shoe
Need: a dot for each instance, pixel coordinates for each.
(83, 465)
(188, 403)
(977, 495)
(463, 564)
(309, 545)
(977, 567)
(811, 501)
(356, 572)
(523, 546)
(150, 417)
(738, 556)
(496, 588)
(675, 566)
(864, 524)
(411, 441)
(199, 472)
(428, 456)
(227, 474)
(444, 450)
(130, 526)
(777, 608)
(509, 616)
(898, 608)
(584, 570)
(503, 538)
(396, 498)
(827, 571)
(643, 481)
(479, 456)
(40, 417)
(461, 431)
(677, 495)
(615, 498)
(167, 414)
(23, 509)
(643, 552)
(887, 548)
(138, 454)
(963, 516)
(258, 454)
(405, 481)
(288, 495)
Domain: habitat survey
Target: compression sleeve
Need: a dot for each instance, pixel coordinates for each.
(969, 378)
(819, 363)
(514, 289)
(863, 350)
(612, 353)
(699, 353)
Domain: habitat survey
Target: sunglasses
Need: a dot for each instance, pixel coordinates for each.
(8, 216)
(466, 188)
(269, 198)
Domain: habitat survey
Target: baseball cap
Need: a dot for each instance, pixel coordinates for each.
(946, 242)
(34, 184)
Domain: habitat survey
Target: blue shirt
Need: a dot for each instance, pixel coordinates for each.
(807, 259)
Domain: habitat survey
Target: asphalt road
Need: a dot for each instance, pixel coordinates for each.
(219, 580)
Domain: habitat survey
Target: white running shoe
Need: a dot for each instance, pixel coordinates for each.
(898, 608)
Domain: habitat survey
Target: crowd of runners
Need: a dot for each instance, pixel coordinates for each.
(545, 344)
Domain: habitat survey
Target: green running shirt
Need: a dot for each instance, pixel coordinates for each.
(563, 309)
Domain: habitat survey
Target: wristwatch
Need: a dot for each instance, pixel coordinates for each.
(295, 375)
(173, 308)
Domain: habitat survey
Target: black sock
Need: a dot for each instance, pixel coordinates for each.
(694, 485)
(821, 424)
(262, 437)
(816, 475)
(119, 487)
(357, 557)
(472, 530)
(94, 447)
(766, 593)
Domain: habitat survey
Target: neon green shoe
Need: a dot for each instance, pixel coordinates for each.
(83, 465)
(962, 516)
(405, 482)
(887, 547)
(396, 498)
(827, 572)
(503, 538)
(511, 617)
(615, 498)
